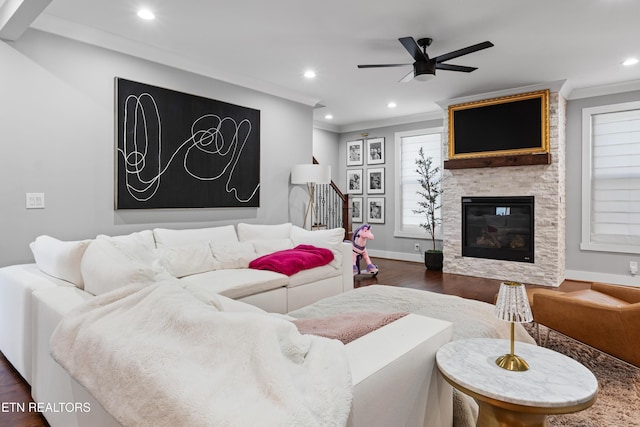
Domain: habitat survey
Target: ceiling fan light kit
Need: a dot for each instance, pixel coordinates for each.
(424, 68)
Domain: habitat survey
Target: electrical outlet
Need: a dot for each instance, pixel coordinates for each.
(417, 247)
(633, 267)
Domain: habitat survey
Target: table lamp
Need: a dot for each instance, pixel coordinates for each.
(513, 306)
(311, 175)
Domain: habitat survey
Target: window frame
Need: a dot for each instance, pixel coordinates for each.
(586, 242)
(399, 229)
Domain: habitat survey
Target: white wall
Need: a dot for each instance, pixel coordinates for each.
(57, 137)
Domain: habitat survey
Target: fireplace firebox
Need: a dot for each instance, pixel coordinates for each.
(498, 228)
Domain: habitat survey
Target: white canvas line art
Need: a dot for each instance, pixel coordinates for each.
(222, 138)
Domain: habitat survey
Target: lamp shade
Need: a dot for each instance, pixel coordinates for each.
(317, 174)
(512, 304)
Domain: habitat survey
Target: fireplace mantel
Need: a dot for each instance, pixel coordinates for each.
(499, 161)
(541, 175)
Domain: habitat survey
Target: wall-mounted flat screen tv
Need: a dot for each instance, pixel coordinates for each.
(509, 125)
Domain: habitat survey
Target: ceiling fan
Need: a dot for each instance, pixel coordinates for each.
(425, 68)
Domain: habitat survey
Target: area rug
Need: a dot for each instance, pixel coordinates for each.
(618, 403)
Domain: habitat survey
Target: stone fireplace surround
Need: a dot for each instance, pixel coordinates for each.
(546, 183)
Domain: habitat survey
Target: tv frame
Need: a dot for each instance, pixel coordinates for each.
(543, 135)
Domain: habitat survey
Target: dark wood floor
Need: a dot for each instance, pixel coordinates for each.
(13, 389)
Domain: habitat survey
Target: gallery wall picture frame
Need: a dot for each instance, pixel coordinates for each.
(375, 210)
(356, 209)
(375, 181)
(354, 153)
(375, 151)
(354, 181)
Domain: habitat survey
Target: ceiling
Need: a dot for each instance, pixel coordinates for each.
(268, 45)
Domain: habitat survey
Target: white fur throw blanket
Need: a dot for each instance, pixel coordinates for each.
(470, 318)
(158, 355)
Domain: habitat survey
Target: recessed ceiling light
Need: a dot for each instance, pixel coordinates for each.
(310, 74)
(630, 61)
(392, 105)
(146, 14)
(328, 116)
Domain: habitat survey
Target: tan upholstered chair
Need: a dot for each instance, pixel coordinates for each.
(606, 317)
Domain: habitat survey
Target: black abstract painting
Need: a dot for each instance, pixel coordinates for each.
(176, 150)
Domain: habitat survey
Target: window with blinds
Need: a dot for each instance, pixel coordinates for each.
(407, 145)
(611, 178)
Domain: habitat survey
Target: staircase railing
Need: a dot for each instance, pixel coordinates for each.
(333, 208)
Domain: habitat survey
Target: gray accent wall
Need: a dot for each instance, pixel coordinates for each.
(57, 138)
(580, 264)
(385, 243)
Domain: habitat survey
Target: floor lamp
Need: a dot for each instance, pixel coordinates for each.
(310, 175)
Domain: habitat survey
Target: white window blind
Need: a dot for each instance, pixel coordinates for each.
(611, 178)
(407, 223)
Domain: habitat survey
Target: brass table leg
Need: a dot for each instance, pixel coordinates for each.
(493, 416)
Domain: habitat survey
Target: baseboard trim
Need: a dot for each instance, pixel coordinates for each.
(399, 256)
(614, 279)
(583, 276)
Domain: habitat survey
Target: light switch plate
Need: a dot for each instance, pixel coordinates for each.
(35, 200)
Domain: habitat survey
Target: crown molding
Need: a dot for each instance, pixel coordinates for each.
(609, 89)
(391, 121)
(67, 29)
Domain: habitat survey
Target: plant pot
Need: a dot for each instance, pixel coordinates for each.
(433, 260)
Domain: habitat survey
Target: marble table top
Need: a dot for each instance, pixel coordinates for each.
(552, 381)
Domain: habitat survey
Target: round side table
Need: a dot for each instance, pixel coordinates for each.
(554, 383)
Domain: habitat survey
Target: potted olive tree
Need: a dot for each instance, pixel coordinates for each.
(431, 183)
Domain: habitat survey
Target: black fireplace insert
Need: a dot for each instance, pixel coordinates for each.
(498, 228)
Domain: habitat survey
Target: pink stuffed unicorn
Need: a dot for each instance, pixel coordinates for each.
(359, 241)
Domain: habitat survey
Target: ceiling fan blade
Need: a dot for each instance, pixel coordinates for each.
(382, 65)
(412, 47)
(467, 50)
(451, 67)
(407, 78)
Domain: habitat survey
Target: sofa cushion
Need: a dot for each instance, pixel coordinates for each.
(231, 254)
(321, 238)
(238, 283)
(60, 259)
(133, 241)
(167, 237)
(185, 260)
(313, 275)
(330, 239)
(267, 246)
(220, 302)
(248, 232)
(105, 268)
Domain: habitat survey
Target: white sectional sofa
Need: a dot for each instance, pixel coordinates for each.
(216, 257)
(395, 380)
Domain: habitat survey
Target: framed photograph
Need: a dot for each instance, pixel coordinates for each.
(356, 209)
(375, 181)
(354, 153)
(375, 151)
(354, 181)
(375, 210)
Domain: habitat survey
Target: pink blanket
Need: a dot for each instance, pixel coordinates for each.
(346, 327)
(291, 261)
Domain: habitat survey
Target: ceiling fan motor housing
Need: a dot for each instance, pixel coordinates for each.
(424, 70)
